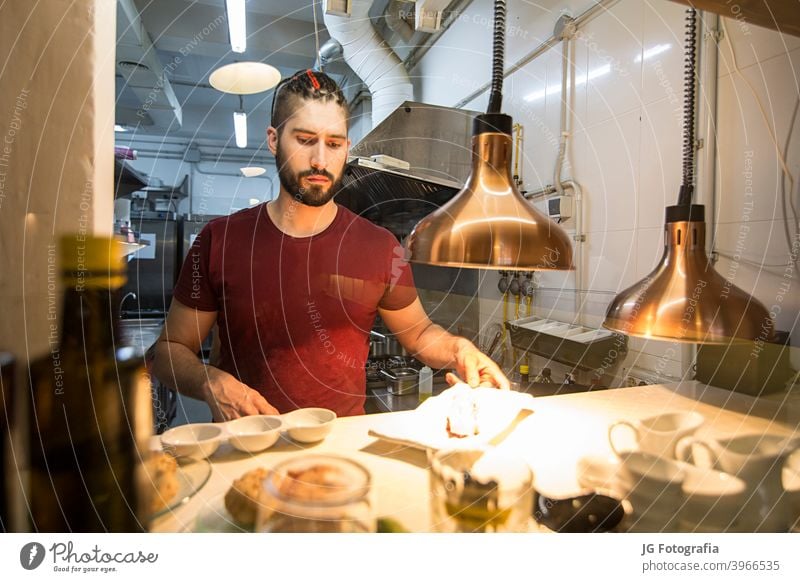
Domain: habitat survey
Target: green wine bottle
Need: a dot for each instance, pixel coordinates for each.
(7, 377)
(91, 406)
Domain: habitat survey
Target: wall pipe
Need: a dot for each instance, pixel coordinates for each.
(707, 160)
(161, 155)
(583, 18)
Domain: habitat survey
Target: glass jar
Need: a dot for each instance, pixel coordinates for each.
(480, 491)
(317, 494)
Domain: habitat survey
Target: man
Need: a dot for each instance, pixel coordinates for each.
(294, 285)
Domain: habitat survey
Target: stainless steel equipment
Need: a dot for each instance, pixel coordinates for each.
(190, 228)
(597, 350)
(377, 344)
(152, 272)
(395, 348)
(430, 140)
(401, 380)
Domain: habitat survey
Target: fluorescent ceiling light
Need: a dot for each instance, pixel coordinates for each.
(237, 25)
(252, 171)
(245, 78)
(240, 128)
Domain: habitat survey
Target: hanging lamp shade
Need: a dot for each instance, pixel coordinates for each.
(489, 224)
(684, 299)
(244, 78)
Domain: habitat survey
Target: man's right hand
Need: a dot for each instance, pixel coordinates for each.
(228, 398)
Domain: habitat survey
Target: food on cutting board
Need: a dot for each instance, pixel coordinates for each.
(245, 497)
(161, 470)
(462, 416)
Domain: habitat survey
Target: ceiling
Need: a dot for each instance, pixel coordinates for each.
(189, 40)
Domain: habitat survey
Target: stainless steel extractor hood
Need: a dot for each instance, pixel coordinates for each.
(432, 143)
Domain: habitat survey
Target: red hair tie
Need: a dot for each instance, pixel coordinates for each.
(313, 79)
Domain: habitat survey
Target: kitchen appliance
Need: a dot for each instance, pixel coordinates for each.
(152, 271)
(747, 367)
(684, 299)
(411, 163)
(599, 351)
(189, 228)
(489, 224)
(151, 207)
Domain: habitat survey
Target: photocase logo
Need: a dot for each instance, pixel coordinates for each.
(31, 555)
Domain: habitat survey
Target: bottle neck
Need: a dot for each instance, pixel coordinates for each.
(90, 317)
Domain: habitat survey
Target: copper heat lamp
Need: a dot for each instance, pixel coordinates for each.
(489, 224)
(684, 298)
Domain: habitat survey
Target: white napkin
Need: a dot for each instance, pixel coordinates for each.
(426, 427)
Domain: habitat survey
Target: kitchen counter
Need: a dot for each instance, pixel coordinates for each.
(562, 430)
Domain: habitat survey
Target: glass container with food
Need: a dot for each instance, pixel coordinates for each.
(317, 494)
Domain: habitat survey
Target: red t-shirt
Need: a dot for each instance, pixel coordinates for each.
(294, 314)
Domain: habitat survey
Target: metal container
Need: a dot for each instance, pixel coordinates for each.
(385, 345)
(598, 350)
(401, 380)
(377, 345)
(394, 347)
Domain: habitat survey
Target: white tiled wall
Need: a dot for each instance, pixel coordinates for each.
(625, 151)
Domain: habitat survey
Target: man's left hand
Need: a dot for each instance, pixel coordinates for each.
(477, 368)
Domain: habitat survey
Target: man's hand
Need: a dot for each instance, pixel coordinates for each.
(437, 348)
(228, 398)
(477, 368)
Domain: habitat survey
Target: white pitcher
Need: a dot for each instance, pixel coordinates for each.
(658, 434)
(758, 460)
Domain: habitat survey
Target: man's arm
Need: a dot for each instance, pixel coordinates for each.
(176, 365)
(437, 348)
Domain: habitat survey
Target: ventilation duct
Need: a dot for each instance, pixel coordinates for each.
(371, 59)
(139, 65)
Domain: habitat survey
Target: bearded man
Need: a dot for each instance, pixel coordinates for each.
(294, 285)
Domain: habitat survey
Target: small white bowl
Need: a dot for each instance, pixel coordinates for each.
(251, 434)
(195, 441)
(309, 425)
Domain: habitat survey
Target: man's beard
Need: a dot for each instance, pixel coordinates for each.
(313, 195)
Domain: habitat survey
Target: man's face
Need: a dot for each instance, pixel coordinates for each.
(311, 151)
